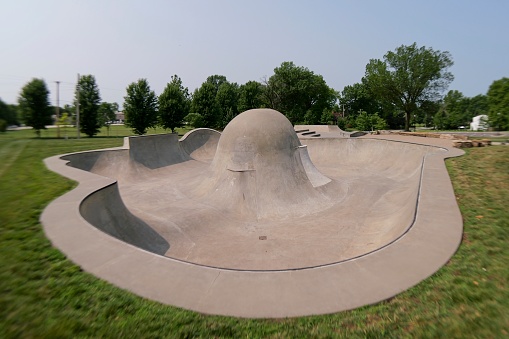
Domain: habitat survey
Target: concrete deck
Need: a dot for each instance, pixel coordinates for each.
(386, 219)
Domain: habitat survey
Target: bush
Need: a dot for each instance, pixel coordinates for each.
(369, 122)
(327, 117)
(342, 123)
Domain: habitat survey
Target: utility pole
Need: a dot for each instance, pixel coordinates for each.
(58, 111)
(78, 106)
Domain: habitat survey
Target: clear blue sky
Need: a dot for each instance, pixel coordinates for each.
(121, 41)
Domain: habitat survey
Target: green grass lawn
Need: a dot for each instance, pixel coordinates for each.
(42, 294)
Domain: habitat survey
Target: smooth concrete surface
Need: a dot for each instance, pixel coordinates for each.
(255, 224)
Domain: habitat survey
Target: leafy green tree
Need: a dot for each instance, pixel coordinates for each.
(478, 105)
(409, 76)
(204, 102)
(174, 104)
(8, 113)
(369, 122)
(34, 105)
(140, 107)
(63, 119)
(217, 81)
(426, 112)
(344, 122)
(310, 118)
(71, 113)
(455, 108)
(296, 91)
(227, 98)
(106, 114)
(250, 96)
(498, 100)
(440, 120)
(358, 97)
(327, 117)
(195, 120)
(89, 101)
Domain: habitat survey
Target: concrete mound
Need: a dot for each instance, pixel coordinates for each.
(258, 172)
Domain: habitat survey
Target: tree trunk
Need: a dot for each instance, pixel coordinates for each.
(407, 121)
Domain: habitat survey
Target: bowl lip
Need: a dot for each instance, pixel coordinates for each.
(369, 278)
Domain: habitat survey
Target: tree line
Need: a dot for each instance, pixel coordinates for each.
(404, 88)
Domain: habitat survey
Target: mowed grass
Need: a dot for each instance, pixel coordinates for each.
(42, 294)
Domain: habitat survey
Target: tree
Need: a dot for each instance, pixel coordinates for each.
(356, 98)
(8, 113)
(327, 117)
(369, 122)
(498, 100)
(409, 76)
(204, 102)
(455, 110)
(89, 101)
(140, 107)
(106, 114)
(195, 120)
(426, 112)
(478, 105)
(217, 81)
(71, 112)
(174, 104)
(296, 91)
(250, 96)
(34, 105)
(227, 98)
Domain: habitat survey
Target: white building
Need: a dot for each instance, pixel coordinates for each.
(479, 123)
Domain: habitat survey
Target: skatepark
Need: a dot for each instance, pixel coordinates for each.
(259, 221)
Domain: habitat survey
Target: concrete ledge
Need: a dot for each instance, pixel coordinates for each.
(428, 244)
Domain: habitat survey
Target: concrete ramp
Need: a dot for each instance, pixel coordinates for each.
(324, 131)
(200, 144)
(319, 128)
(157, 151)
(106, 210)
(316, 178)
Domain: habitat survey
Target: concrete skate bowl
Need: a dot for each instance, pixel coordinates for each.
(252, 223)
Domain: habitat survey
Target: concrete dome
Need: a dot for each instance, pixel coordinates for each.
(253, 137)
(258, 172)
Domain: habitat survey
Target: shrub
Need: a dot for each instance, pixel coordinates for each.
(369, 122)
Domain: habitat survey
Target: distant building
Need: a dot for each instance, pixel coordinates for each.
(479, 123)
(119, 117)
